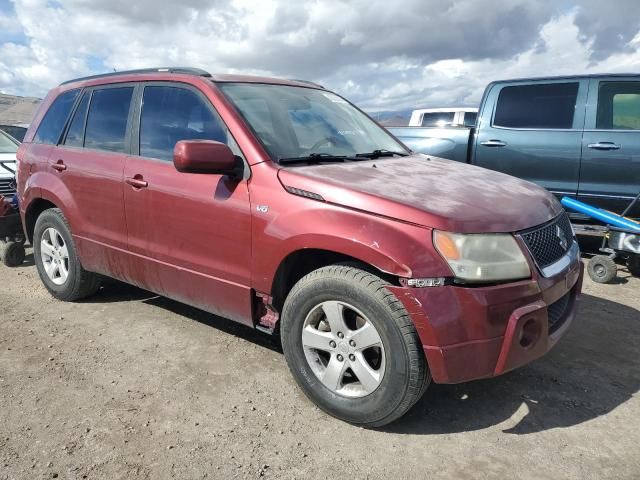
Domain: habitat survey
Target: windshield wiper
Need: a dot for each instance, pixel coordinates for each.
(381, 153)
(316, 157)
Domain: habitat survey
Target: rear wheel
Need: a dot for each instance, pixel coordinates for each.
(602, 269)
(12, 253)
(56, 260)
(352, 347)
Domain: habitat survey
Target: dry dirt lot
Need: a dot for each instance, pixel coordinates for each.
(130, 385)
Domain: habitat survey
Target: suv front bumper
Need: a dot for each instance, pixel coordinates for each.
(477, 332)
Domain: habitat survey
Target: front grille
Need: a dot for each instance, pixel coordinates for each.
(557, 312)
(7, 187)
(551, 242)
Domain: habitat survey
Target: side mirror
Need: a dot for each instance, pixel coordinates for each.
(204, 156)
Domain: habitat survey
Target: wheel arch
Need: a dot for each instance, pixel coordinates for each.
(33, 211)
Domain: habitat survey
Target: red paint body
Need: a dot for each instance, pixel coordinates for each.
(201, 238)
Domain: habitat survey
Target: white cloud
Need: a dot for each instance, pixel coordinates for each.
(383, 55)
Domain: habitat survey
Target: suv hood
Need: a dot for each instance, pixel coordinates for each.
(429, 191)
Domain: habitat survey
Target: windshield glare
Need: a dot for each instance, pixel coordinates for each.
(6, 144)
(296, 121)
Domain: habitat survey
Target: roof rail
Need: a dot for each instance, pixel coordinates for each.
(186, 70)
(308, 83)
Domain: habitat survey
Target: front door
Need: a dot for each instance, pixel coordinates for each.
(534, 133)
(90, 163)
(189, 232)
(610, 175)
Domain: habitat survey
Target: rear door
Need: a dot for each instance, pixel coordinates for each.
(534, 132)
(610, 173)
(90, 164)
(190, 233)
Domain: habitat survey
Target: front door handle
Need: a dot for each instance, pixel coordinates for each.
(604, 146)
(493, 143)
(59, 166)
(137, 181)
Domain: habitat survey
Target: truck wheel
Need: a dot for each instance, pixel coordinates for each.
(633, 264)
(56, 260)
(602, 269)
(12, 253)
(352, 347)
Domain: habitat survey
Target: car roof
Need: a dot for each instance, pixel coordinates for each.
(568, 77)
(162, 73)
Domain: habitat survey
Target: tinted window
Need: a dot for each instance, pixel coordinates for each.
(619, 106)
(550, 105)
(7, 145)
(16, 132)
(75, 134)
(53, 122)
(470, 119)
(171, 114)
(107, 120)
(437, 119)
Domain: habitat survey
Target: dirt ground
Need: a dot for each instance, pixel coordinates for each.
(131, 385)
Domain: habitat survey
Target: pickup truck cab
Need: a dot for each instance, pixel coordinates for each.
(278, 204)
(577, 136)
(443, 117)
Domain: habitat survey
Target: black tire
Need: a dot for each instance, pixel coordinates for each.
(12, 253)
(79, 283)
(633, 264)
(602, 269)
(406, 372)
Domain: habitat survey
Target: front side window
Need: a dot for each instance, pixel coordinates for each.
(53, 122)
(618, 106)
(437, 119)
(171, 114)
(543, 106)
(294, 122)
(107, 120)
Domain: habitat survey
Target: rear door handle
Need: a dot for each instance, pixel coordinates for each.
(604, 146)
(137, 181)
(493, 143)
(59, 166)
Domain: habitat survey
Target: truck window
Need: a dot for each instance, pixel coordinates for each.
(107, 119)
(544, 106)
(437, 119)
(470, 119)
(50, 128)
(171, 114)
(618, 106)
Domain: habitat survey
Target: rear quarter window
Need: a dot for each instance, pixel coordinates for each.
(53, 122)
(543, 106)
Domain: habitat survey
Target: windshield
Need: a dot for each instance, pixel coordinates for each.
(6, 144)
(296, 122)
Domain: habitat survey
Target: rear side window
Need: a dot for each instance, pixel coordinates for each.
(75, 134)
(437, 119)
(171, 114)
(545, 106)
(107, 119)
(53, 122)
(470, 119)
(618, 106)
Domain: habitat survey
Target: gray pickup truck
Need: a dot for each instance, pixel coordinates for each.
(577, 136)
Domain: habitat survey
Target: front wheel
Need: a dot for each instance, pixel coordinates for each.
(633, 264)
(352, 347)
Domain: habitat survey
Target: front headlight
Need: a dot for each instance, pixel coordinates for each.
(482, 257)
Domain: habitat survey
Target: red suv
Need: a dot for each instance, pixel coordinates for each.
(280, 205)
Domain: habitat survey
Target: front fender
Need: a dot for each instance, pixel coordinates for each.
(397, 248)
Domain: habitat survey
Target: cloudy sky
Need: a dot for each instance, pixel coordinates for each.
(384, 55)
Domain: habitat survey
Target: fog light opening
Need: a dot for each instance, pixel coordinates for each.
(530, 333)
